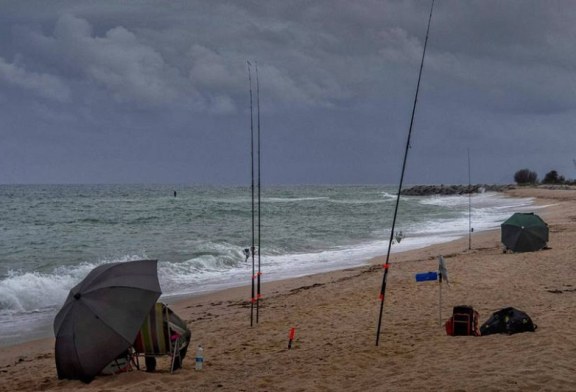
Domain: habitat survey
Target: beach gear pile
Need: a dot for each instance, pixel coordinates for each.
(163, 333)
(509, 321)
(522, 232)
(109, 313)
(464, 322)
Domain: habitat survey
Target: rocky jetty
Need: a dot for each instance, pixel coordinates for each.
(428, 190)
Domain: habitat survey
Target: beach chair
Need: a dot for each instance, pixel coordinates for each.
(162, 334)
(123, 363)
(464, 321)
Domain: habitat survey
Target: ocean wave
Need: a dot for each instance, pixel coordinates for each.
(491, 199)
(292, 199)
(96, 221)
(360, 201)
(30, 291)
(389, 195)
(27, 292)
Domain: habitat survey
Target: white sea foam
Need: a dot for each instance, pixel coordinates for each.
(32, 290)
(292, 199)
(489, 210)
(360, 201)
(389, 195)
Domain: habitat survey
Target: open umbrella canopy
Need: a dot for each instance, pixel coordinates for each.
(524, 232)
(102, 315)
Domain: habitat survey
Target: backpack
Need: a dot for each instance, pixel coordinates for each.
(464, 322)
(508, 320)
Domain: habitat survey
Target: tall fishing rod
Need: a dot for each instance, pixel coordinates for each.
(386, 264)
(258, 293)
(469, 205)
(252, 189)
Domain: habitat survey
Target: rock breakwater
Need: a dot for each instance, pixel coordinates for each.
(428, 190)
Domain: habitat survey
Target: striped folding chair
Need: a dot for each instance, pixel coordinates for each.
(163, 333)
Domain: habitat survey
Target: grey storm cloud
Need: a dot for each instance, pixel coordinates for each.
(117, 61)
(148, 91)
(41, 84)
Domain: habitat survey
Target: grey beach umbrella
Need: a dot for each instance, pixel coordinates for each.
(102, 315)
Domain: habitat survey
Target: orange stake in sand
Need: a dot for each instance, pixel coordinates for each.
(291, 336)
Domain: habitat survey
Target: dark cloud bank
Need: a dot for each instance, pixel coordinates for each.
(157, 92)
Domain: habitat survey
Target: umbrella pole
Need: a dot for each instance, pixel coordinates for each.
(440, 302)
(386, 265)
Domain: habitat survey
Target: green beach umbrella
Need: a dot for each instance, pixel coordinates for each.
(524, 232)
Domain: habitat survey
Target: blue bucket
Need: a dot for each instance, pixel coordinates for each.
(425, 276)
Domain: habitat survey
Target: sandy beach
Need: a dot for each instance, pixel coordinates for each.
(335, 315)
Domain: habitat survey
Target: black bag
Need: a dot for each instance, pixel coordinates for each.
(464, 321)
(508, 320)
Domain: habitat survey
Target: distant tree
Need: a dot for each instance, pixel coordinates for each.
(552, 177)
(525, 176)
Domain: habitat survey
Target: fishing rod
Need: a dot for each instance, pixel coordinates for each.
(469, 205)
(387, 264)
(252, 189)
(258, 293)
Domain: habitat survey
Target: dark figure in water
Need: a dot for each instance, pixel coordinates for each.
(174, 193)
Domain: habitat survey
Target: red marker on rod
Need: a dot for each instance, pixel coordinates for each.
(291, 336)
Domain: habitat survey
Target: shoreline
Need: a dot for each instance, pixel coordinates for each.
(242, 292)
(539, 203)
(31, 325)
(334, 314)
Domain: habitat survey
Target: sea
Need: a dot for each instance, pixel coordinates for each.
(53, 235)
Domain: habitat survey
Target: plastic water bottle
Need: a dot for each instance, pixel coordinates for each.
(199, 357)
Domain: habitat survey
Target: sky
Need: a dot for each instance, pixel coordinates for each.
(142, 91)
